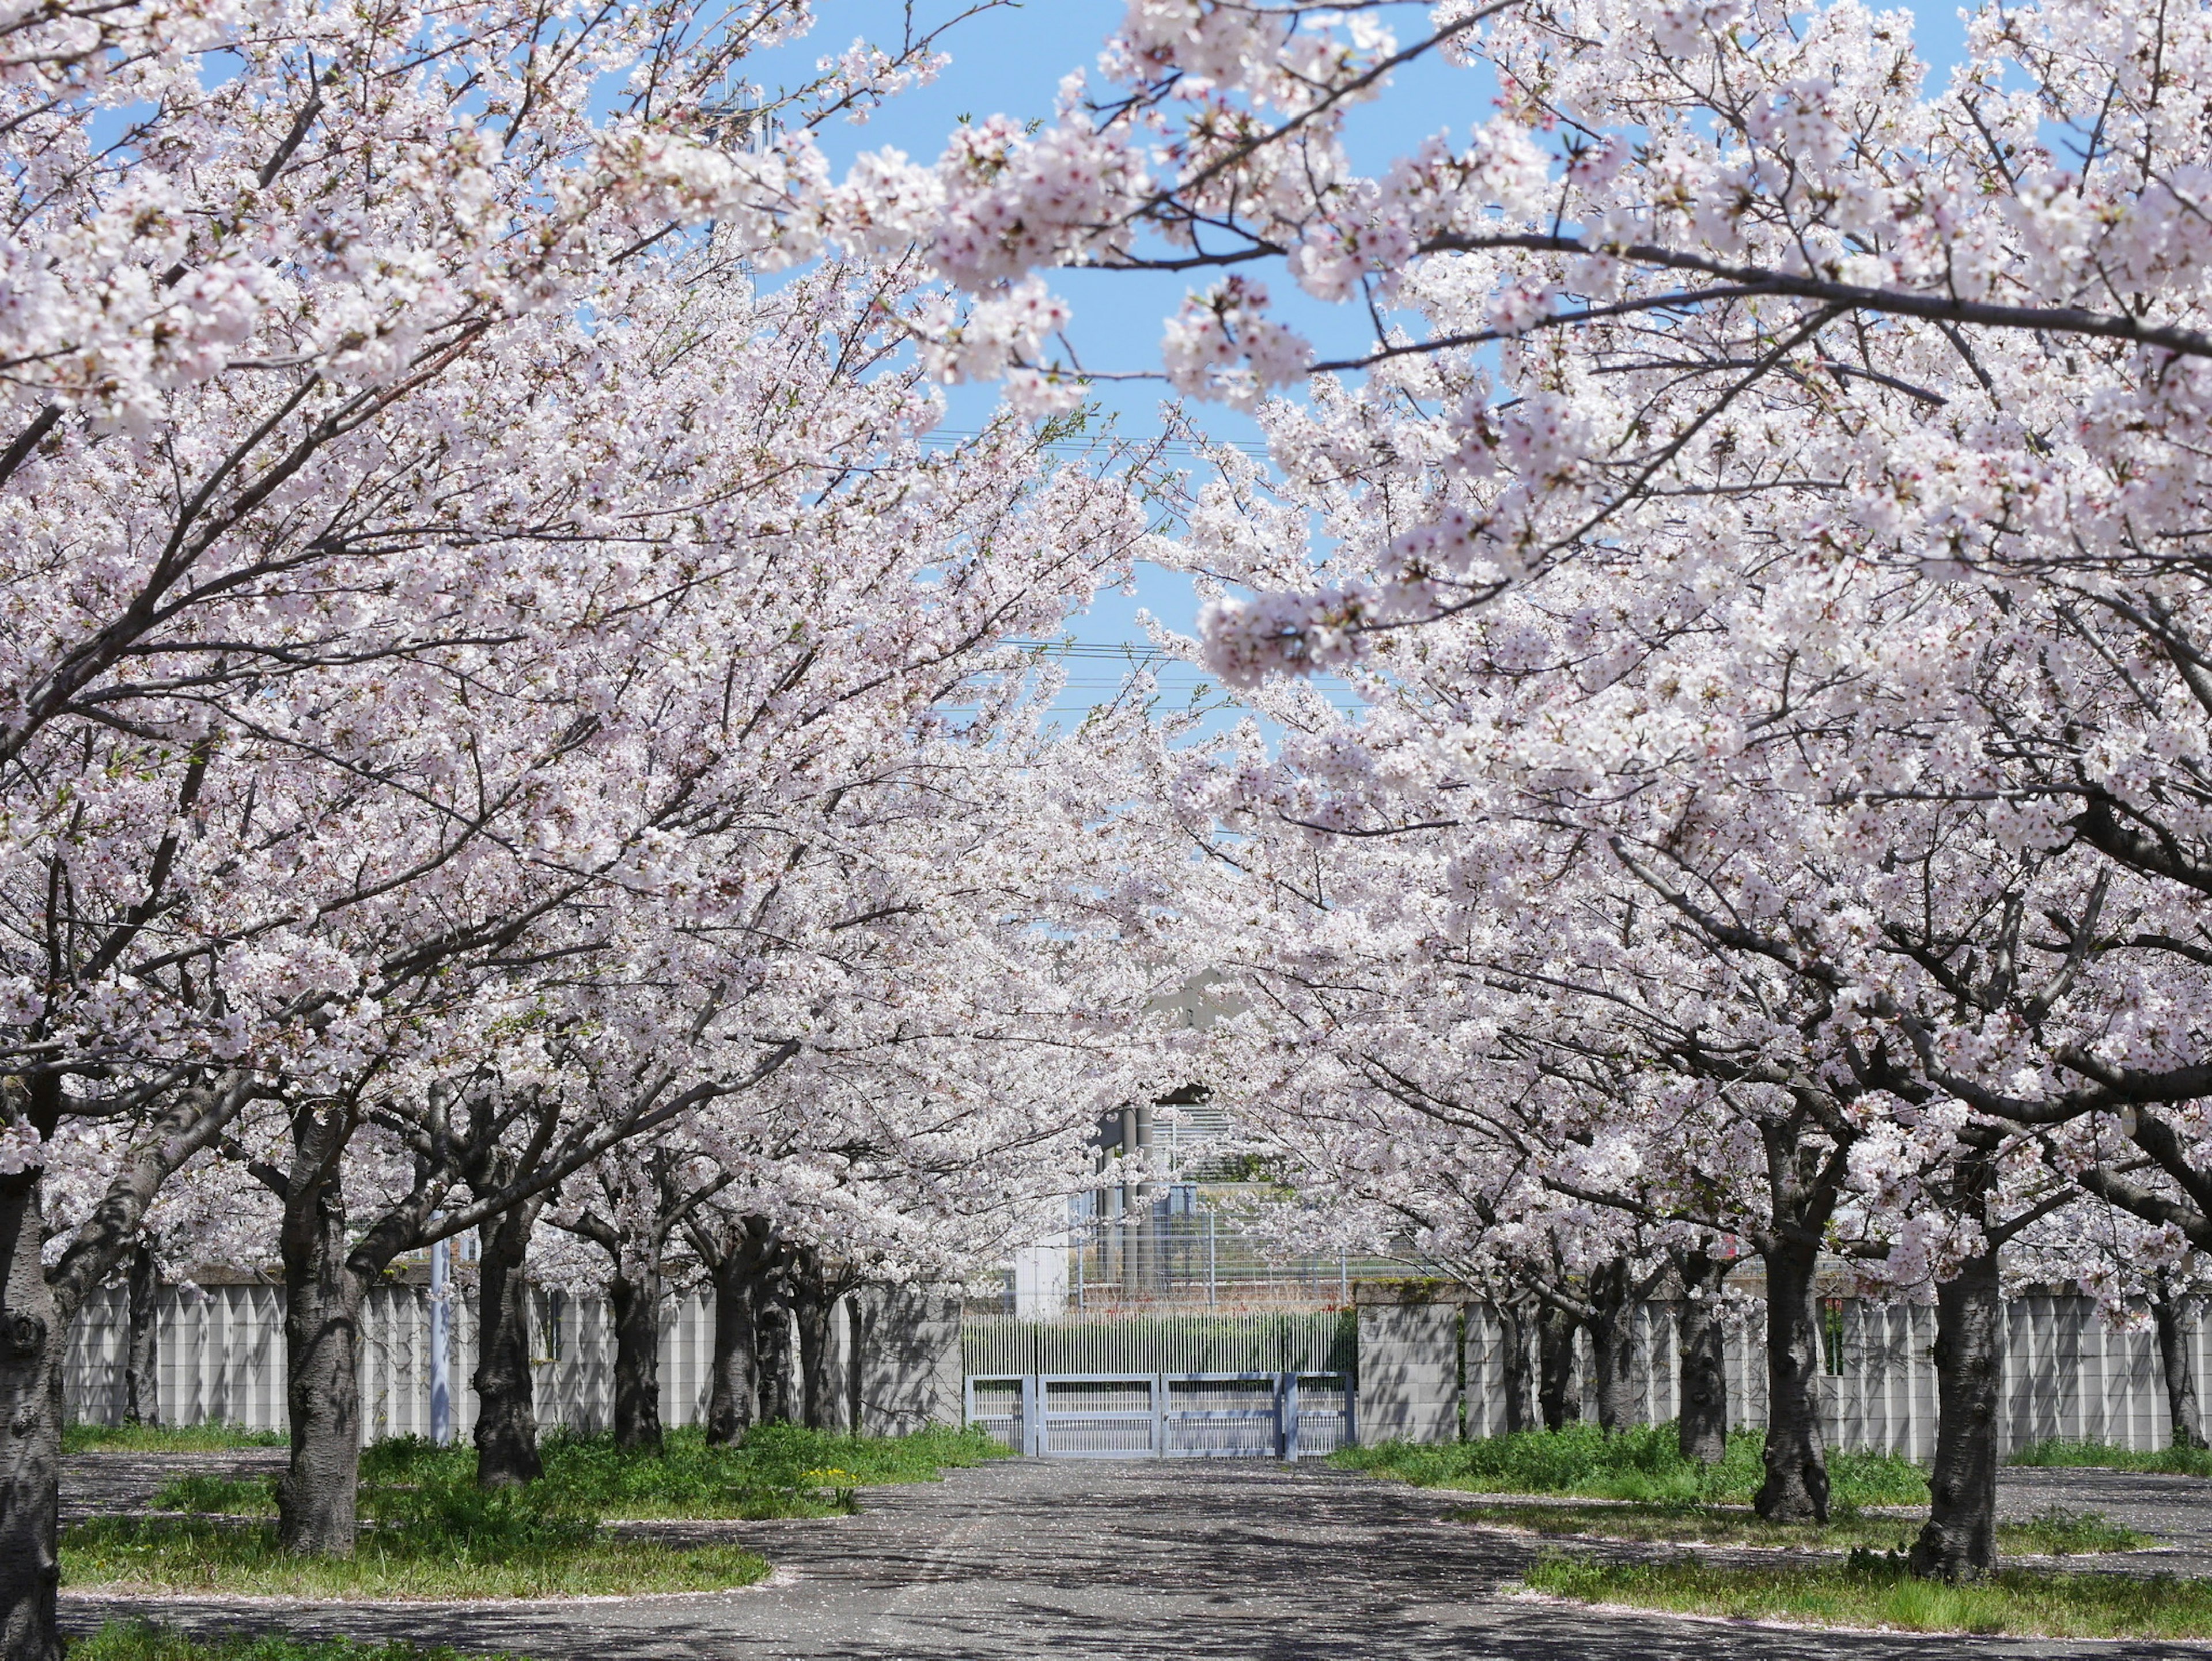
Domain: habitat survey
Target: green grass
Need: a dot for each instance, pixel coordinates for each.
(238, 1496)
(779, 1470)
(2055, 1533)
(78, 1437)
(431, 1533)
(1875, 1590)
(2061, 1454)
(133, 1640)
(536, 1559)
(1641, 1463)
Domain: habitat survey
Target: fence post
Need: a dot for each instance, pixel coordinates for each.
(1286, 1417)
(1351, 1409)
(1033, 1432)
(1209, 1256)
(1159, 1415)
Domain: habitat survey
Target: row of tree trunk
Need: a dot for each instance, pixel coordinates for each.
(770, 1299)
(1959, 1541)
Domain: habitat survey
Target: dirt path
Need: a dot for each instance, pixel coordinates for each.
(1137, 1560)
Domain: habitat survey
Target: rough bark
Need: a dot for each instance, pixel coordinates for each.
(1795, 1488)
(1701, 1428)
(315, 1497)
(635, 1294)
(141, 1402)
(1959, 1539)
(2168, 1317)
(507, 1418)
(31, 1396)
(733, 1391)
(1556, 1396)
(812, 1312)
(1613, 1344)
(1514, 1321)
(772, 1322)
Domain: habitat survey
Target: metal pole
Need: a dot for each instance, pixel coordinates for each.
(441, 1392)
(1209, 1257)
(1343, 1276)
(1132, 1256)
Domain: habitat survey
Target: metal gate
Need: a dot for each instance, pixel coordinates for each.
(1165, 1416)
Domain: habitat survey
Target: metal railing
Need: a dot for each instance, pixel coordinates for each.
(1165, 1416)
(1192, 1244)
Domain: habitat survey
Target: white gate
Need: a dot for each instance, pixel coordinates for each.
(1165, 1416)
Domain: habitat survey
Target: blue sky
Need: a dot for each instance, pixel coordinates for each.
(1011, 61)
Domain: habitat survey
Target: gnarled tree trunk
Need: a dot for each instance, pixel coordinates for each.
(31, 1332)
(315, 1497)
(1613, 1344)
(635, 1293)
(1795, 1488)
(813, 1310)
(142, 1403)
(772, 1322)
(1556, 1396)
(1959, 1539)
(506, 1417)
(2166, 1314)
(1518, 1376)
(733, 1389)
(1701, 1428)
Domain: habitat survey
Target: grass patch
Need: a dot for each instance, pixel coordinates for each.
(2057, 1454)
(1642, 1464)
(238, 1496)
(779, 1470)
(1871, 1589)
(2055, 1533)
(134, 1640)
(431, 1533)
(400, 1561)
(78, 1437)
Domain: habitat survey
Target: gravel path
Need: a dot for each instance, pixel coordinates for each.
(1129, 1560)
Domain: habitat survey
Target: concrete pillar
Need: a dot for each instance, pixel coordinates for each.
(908, 1343)
(1408, 1372)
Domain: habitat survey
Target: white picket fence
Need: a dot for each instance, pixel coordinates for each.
(219, 1357)
(2066, 1374)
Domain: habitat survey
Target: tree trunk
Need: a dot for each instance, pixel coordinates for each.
(315, 1497)
(1556, 1396)
(636, 1301)
(507, 1418)
(812, 1311)
(773, 1324)
(1796, 1489)
(1513, 1325)
(1701, 1428)
(1959, 1539)
(2167, 1311)
(1613, 1344)
(31, 1396)
(142, 1401)
(733, 1392)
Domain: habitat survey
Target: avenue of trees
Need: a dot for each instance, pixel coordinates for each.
(510, 723)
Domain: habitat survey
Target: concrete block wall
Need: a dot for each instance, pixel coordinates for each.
(2066, 1374)
(219, 1358)
(1409, 1372)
